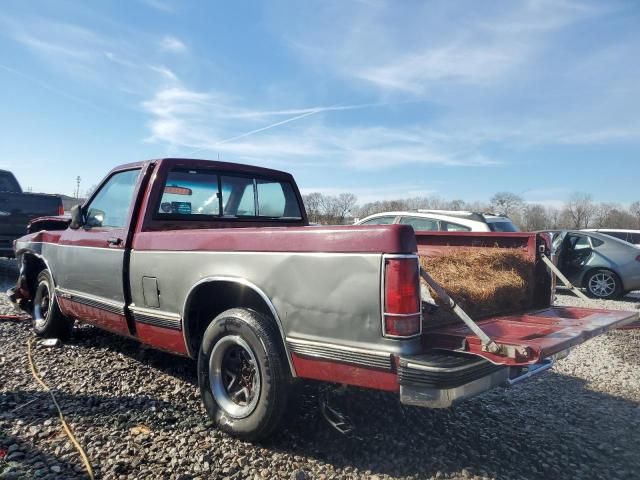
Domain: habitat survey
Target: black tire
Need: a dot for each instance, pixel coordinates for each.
(48, 320)
(603, 283)
(244, 341)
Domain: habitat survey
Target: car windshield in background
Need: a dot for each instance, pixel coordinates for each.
(191, 194)
(502, 227)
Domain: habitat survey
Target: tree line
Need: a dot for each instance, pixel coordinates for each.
(579, 211)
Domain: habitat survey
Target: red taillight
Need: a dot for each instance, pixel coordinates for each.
(402, 316)
(61, 209)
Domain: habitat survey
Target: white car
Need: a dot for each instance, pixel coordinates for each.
(444, 221)
(631, 236)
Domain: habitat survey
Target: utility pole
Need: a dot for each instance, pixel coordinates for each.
(78, 186)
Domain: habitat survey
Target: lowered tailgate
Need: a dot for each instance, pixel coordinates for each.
(530, 337)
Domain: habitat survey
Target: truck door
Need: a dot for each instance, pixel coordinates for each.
(90, 261)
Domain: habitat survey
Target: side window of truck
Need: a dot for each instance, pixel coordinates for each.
(110, 207)
(258, 197)
(277, 199)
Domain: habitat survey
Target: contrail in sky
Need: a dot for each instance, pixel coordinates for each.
(306, 113)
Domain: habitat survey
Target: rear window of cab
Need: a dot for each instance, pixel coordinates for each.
(196, 194)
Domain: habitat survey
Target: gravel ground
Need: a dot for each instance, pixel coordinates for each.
(138, 414)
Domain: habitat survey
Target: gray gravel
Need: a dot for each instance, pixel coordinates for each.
(138, 414)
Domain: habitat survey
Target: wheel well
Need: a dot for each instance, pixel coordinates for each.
(210, 299)
(32, 265)
(591, 270)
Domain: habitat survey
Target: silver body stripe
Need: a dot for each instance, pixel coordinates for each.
(333, 299)
(91, 300)
(355, 356)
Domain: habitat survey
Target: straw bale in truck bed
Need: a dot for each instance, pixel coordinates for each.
(483, 281)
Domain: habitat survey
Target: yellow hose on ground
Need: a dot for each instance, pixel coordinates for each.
(65, 426)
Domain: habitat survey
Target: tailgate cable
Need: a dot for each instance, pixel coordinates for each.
(554, 269)
(488, 345)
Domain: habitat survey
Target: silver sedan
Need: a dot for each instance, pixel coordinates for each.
(605, 266)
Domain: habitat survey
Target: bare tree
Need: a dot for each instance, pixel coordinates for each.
(456, 205)
(507, 203)
(553, 218)
(534, 218)
(602, 213)
(619, 218)
(580, 210)
(612, 215)
(343, 205)
(312, 204)
(634, 208)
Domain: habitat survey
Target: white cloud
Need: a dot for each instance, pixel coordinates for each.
(172, 44)
(415, 71)
(423, 48)
(53, 89)
(115, 62)
(164, 71)
(198, 121)
(162, 5)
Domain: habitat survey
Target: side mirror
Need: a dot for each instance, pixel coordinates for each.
(76, 217)
(95, 218)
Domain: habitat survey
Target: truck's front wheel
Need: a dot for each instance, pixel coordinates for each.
(243, 375)
(48, 320)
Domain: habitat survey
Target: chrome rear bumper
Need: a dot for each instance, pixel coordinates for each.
(424, 383)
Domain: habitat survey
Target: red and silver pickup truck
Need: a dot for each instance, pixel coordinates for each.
(216, 261)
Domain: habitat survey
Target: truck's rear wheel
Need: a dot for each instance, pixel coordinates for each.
(48, 320)
(243, 375)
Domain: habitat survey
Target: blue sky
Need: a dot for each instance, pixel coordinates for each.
(384, 99)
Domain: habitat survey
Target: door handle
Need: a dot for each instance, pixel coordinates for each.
(114, 241)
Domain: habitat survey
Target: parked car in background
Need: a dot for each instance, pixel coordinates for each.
(631, 236)
(17, 209)
(444, 221)
(603, 265)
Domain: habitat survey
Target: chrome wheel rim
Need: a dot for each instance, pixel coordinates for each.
(41, 304)
(234, 376)
(602, 284)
